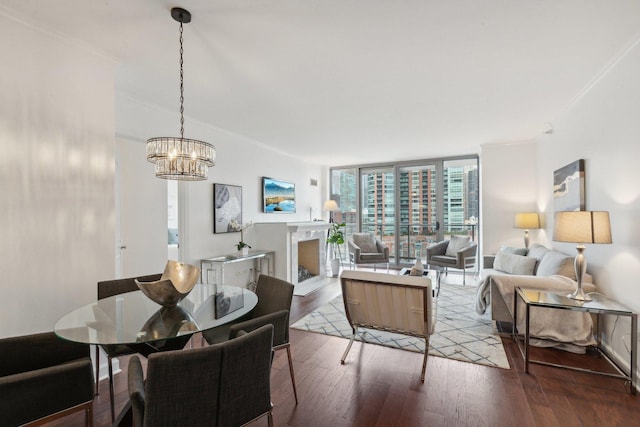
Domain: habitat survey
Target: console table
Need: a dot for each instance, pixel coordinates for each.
(598, 306)
(214, 267)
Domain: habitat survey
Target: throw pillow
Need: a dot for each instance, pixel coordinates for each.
(366, 242)
(514, 251)
(456, 243)
(514, 264)
(556, 263)
(537, 251)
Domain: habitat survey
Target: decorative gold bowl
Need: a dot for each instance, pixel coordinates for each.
(175, 284)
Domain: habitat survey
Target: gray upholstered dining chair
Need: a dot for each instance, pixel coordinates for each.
(274, 303)
(43, 378)
(364, 248)
(109, 288)
(459, 252)
(226, 384)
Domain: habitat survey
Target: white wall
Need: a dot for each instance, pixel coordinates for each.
(601, 127)
(239, 161)
(56, 177)
(508, 175)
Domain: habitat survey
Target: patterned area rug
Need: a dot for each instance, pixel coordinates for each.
(461, 333)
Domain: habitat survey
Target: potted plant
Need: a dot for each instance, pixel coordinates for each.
(242, 246)
(336, 238)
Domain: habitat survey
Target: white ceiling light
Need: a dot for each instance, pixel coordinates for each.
(180, 158)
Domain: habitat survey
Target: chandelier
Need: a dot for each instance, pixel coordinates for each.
(181, 158)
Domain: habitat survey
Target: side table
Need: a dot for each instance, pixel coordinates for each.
(216, 265)
(599, 305)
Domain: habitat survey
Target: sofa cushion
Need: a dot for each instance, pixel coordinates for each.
(556, 263)
(456, 243)
(366, 242)
(514, 264)
(514, 251)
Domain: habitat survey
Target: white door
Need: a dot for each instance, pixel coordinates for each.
(141, 210)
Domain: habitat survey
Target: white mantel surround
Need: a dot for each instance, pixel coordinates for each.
(283, 238)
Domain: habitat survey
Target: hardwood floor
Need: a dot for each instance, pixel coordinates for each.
(380, 386)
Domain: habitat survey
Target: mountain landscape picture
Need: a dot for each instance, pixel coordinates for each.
(278, 196)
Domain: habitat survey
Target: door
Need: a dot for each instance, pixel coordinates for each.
(141, 210)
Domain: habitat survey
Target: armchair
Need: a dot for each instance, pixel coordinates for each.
(43, 378)
(459, 252)
(388, 302)
(364, 248)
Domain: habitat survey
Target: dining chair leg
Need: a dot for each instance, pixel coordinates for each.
(113, 412)
(293, 378)
(97, 370)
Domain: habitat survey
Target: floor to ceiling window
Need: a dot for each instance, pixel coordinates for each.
(408, 205)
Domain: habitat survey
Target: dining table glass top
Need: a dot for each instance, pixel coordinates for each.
(132, 318)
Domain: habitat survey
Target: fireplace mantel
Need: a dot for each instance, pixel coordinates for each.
(283, 238)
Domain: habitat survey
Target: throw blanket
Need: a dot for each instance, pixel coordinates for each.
(484, 295)
(569, 330)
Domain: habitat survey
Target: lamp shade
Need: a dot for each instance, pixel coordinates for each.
(526, 220)
(331, 206)
(582, 227)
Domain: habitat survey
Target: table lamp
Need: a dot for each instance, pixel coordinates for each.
(526, 221)
(331, 206)
(581, 227)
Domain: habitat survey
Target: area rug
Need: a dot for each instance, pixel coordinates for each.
(461, 333)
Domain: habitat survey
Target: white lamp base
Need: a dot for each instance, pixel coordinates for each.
(580, 265)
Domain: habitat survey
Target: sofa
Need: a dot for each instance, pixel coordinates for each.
(537, 267)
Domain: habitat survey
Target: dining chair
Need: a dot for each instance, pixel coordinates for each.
(274, 304)
(109, 288)
(44, 378)
(226, 384)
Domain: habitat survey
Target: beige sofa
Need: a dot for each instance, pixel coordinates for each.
(536, 268)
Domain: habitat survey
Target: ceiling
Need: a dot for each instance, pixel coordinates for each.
(340, 82)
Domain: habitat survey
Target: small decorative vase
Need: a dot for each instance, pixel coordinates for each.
(244, 251)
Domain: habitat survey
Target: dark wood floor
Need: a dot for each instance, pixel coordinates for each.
(380, 386)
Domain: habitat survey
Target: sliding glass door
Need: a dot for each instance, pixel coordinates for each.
(378, 205)
(409, 205)
(418, 214)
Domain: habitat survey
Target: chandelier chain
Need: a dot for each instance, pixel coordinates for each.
(181, 87)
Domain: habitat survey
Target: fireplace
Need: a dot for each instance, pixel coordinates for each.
(308, 259)
(297, 244)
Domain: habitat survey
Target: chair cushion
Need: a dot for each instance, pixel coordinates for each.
(373, 257)
(456, 243)
(514, 264)
(443, 259)
(366, 242)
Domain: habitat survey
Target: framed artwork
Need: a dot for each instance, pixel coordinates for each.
(568, 187)
(227, 208)
(278, 196)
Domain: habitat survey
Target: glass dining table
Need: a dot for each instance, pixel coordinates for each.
(132, 319)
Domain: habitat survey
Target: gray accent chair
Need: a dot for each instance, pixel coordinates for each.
(109, 288)
(274, 303)
(43, 378)
(459, 252)
(364, 248)
(226, 384)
